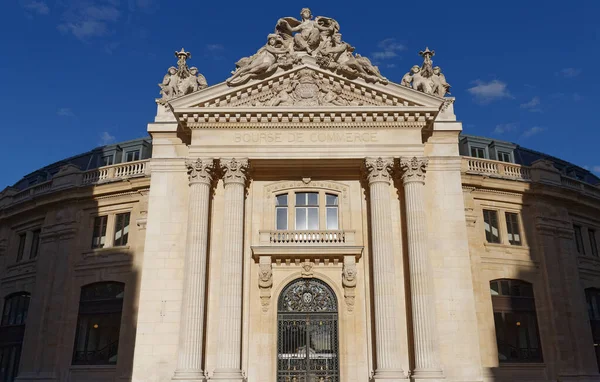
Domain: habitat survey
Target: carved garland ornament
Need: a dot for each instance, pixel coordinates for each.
(413, 170)
(200, 170)
(379, 169)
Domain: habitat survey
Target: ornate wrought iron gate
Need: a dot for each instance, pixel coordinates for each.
(307, 330)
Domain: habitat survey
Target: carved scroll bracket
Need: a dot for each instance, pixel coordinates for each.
(349, 272)
(265, 281)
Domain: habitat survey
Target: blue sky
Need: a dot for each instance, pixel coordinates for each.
(79, 73)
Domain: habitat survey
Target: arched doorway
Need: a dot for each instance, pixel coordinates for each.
(307, 333)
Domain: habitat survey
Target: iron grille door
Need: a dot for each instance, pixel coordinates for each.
(307, 347)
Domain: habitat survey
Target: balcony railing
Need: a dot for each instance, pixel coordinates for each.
(324, 237)
(115, 172)
(495, 168)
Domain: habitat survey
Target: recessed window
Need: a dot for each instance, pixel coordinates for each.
(592, 235)
(35, 244)
(107, 160)
(331, 202)
(99, 235)
(515, 320)
(478, 152)
(131, 156)
(99, 324)
(12, 330)
(21, 249)
(592, 297)
(122, 229)
(579, 239)
(307, 210)
(281, 211)
(512, 227)
(490, 219)
(504, 156)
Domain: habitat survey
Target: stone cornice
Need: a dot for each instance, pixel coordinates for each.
(197, 117)
(308, 125)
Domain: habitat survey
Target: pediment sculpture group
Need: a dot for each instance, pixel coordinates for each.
(293, 39)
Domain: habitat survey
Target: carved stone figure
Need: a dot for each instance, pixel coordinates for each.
(426, 78)
(334, 97)
(349, 283)
(181, 80)
(266, 60)
(265, 276)
(309, 34)
(293, 39)
(265, 281)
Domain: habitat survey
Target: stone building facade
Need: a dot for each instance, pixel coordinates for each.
(306, 220)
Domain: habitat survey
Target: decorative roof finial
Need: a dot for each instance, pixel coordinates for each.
(180, 80)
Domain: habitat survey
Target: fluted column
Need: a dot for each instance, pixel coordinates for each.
(191, 329)
(230, 312)
(427, 363)
(386, 335)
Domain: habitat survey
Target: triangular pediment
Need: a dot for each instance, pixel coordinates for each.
(306, 86)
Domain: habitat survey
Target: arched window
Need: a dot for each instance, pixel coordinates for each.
(515, 319)
(99, 324)
(592, 296)
(307, 211)
(12, 330)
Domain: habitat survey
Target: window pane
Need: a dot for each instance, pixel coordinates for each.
(122, 229)
(35, 244)
(578, 239)
(332, 218)
(99, 235)
(494, 288)
(15, 309)
(331, 200)
(504, 156)
(301, 198)
(512, 226)
(282, 217)
(313, 199)
(313, 218)
(592, 235)
(281, 200)
(21, 248)
(107, 160)
(301, 222)
(490, 219)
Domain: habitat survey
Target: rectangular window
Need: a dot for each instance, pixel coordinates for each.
(478, 152)
(281, 211)
(307, 210)
(35, 244)
(107, 160)
(512, 226)
(130, 156)
(99, 236)
(331, 202)
(21, 249)
(490, 218)
(122, 229)
(579, 240)
(504, 156)
(592, 235)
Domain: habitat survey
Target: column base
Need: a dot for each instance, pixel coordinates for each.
(227, 375)
(390, 376)
(427, 376)
(189, 376)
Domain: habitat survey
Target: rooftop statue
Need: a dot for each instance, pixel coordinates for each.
(294, 39)
(180, 80)
(427, 79)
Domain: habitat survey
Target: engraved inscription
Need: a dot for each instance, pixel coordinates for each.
(331, 137)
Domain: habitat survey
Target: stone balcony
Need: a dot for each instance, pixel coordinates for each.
(540, 172)
(71, 176)
(323, 245)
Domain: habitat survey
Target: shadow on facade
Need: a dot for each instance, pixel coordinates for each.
(71, 253)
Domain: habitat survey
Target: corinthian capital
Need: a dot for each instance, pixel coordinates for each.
(413, 169)
(379, 169)
(234, 170)
(200, 170)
